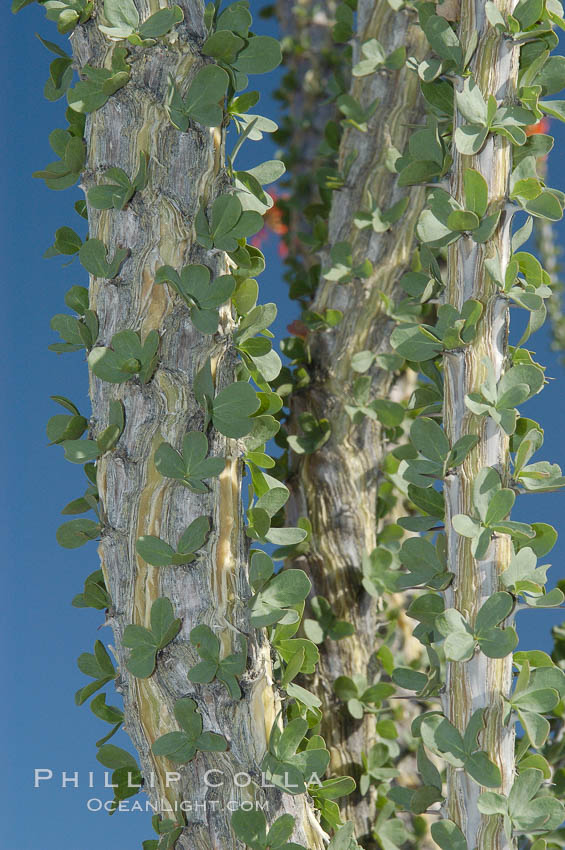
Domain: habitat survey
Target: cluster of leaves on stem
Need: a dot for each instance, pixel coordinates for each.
(247, 410)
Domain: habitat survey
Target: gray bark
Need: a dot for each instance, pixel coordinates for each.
(157, 227)
(337, 486)
(482, 682)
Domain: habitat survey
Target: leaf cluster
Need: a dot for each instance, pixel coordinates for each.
(123, 19)
(158, 553)
(126, 776)
(126, 357)
(191, 466)
(231, 409)
(225, 669)
(182, 746)
(499, 400)
(325, 623)
(202, 297)
(524, 808)
(275, 595)
(251, 828)
(461, 639)
(100, 83)
(99, 667)
(146, 643)
(289, 768)
(492, 504)
(453, 330)
(443, 739)
(78, 333)
(361, 697)
(119, 192)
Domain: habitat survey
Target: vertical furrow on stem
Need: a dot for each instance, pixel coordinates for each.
(158, 228)
(481, 682)
(336, 487)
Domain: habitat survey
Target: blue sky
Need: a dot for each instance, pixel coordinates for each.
(43, 634)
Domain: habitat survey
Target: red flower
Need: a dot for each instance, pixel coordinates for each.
(274, 223)
(542, 126)
(298, 328)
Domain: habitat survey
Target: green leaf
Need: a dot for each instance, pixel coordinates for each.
(496, 608)
(202, 101)
(275, 595)
(232, 409)
(471, 103)
(461, 449)
(536, 727)
(498, 643)
(250, 827)
(410, 680)
(261, 569)
(439, 735)
(344, 839)
(145, 643)
(546, 205)
(280, 832)
(194, 536)
(192, 467)
(551, 76)
(261, 55)
(459, 646)
(443, 39)
(62, 428)
(414, 343)
(499, 506)
(287, 588)
(422, 559)
(525, 787)
(206, 642)
(100, 84)
(463, 220)
(77, 532)
(109, 713)
(470, 138)
(229, 223)
(448, 836)
(223, 45)
(161, 22)
(176, 746)
(154, 551)
(81, 451)
(126, 358)
(115, 757)
(556, 108)
(429, 438)
(540, 701)
(211, 742)
(141, 662)
(92, 255)
(20, 4)
(316, 434)
(490, 803)
(255, 322)
(66, 241)
(528, 12)
(121, 14)
(476, 191)
(163, 624)
(268, 172)
(483, 771)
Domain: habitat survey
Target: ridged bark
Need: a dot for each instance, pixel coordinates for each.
(481, 682)
(158, 228)
(337, 486)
